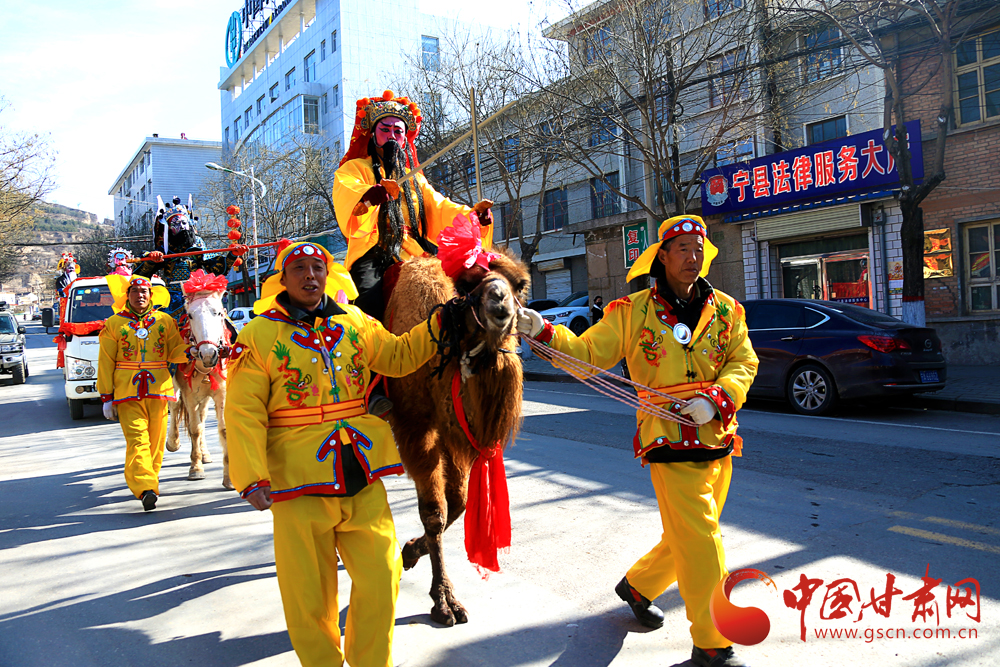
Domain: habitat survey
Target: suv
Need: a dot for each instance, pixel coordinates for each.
(12, 358)
(241, 317)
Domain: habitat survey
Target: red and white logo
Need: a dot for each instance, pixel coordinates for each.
(718, 190)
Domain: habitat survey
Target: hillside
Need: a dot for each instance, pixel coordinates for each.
(58, 218)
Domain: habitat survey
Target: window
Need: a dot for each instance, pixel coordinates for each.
(247, 115)
(336, 96)
(665, 194)
(774, 316)
(977, 73)
(511, 154)
(236, 129)
(336, 149)
(727, 88)
(322, 51)
(826, 130)
(502, 222)
(716, 8)
(260, 105)
(227, 136)
(982, 266)
(599, 44)
(550, 144)
(273, 92)
(603, 201)
(310, 115)
(324, 103)
(822, 63)
(602, 129)
(290, 79)
(469, 165)
(333, 42)
(556, 213)
(309, 67)
(431, 54)
(740, 150)
(142, 193)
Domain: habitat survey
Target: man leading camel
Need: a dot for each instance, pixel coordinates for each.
(689, 340)
(300, 438)
(138, 343)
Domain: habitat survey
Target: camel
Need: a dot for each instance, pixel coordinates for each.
(434, 448)
(204, 377)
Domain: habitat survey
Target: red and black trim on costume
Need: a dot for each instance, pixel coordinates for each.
(253, 487)
(107, 398)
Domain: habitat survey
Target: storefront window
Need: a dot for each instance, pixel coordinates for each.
(830, 269)
(983, 266)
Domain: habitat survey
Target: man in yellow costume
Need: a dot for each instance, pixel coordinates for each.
(300, 438)
(138, 343)
(686, 339)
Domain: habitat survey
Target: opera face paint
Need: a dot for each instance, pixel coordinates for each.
(390, 128)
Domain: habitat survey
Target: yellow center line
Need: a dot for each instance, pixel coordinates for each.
(948, 539)
(962, 525)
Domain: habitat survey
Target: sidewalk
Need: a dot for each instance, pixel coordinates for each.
(969, 388)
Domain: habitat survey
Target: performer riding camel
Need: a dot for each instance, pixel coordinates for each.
(175, 221)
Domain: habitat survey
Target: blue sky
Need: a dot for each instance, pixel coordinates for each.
(99, 76)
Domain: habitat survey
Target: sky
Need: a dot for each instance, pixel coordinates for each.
(97, 77)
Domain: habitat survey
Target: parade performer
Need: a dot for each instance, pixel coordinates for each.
(300, 437)
(138, 343)
(67, 271)
(383, 222)
(175, 221)
(683, 338)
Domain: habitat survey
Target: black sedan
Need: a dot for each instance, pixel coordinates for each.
(815, 353)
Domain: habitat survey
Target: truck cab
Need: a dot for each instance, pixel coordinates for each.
(89, 300)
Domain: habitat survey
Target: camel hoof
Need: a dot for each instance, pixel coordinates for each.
(443, 616)
(194, 474)
(206, 458)
(461, 616)
(409, 559)
(226, 484)
(173, 447)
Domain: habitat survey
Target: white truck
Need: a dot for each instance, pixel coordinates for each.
(89, 300)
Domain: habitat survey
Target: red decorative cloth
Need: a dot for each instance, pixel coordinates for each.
(461, 246)
(204, 282)
(487, 506)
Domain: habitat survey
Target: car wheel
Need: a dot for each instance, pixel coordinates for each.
(578, 326)
(811, 391)
(17, 373)
(27, 373)
(75, 408)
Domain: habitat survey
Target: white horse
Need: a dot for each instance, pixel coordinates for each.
(203, 378)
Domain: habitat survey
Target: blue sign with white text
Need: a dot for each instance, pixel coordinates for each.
(856, 163)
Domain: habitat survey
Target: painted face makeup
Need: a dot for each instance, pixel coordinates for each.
(389, 128)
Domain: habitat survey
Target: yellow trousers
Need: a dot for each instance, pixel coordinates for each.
(690, 496)
(308, 533)
(144, 424)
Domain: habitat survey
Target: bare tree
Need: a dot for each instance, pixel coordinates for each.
(26, 162)
(898, 37)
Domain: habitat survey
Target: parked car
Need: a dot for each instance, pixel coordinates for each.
(572, 312)
(12, 358)
(816, 353)
(542, 304)
(241, 316)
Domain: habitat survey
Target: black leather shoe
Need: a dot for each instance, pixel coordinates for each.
(716, 657)
(148, 499)
(644, 610)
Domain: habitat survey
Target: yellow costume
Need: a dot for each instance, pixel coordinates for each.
(690, 467)
(353, 179)
(295, 409)
(133, 372)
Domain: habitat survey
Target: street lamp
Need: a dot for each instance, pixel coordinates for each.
(253, 203)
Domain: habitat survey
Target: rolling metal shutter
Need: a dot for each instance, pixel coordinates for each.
(807, 223)
(558, 284)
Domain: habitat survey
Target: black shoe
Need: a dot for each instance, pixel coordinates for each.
(644, 610)
(716, 657)
(148, 499)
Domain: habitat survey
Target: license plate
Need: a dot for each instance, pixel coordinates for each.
(929, 376)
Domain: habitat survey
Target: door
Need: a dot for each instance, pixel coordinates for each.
(846, 279)
(776, 334)
(801, 279)
(558, 284)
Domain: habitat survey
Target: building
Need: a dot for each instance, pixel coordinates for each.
(164, 167)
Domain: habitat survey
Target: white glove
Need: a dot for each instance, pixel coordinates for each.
(700, 410)
(529, 322)
(110, 412)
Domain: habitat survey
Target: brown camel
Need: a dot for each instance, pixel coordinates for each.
(434, 448)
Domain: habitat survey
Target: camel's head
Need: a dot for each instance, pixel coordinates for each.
(208, 335)
(494, 296)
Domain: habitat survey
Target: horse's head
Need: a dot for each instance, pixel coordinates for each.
(206, 326)
(493, 296)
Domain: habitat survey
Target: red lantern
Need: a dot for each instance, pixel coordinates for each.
(233, 222)
(233, 210)
(234, 235)
(237, 263)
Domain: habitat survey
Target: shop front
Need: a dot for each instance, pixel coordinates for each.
(820, 222)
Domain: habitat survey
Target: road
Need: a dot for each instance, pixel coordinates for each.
(89, 579)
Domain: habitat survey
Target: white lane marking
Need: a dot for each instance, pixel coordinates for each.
(777, 414)
(536, 409)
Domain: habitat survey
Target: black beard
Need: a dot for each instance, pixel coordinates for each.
(393, 158)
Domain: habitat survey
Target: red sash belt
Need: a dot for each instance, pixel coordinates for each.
(685, 391)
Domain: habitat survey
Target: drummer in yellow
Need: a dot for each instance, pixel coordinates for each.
(684, 338)
(382, 227)
(138, 343)
(300, 438)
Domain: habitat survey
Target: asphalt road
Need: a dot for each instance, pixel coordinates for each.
(89, 579)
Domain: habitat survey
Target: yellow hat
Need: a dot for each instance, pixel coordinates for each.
(676, 226)
(118, 286)
(338, 280)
